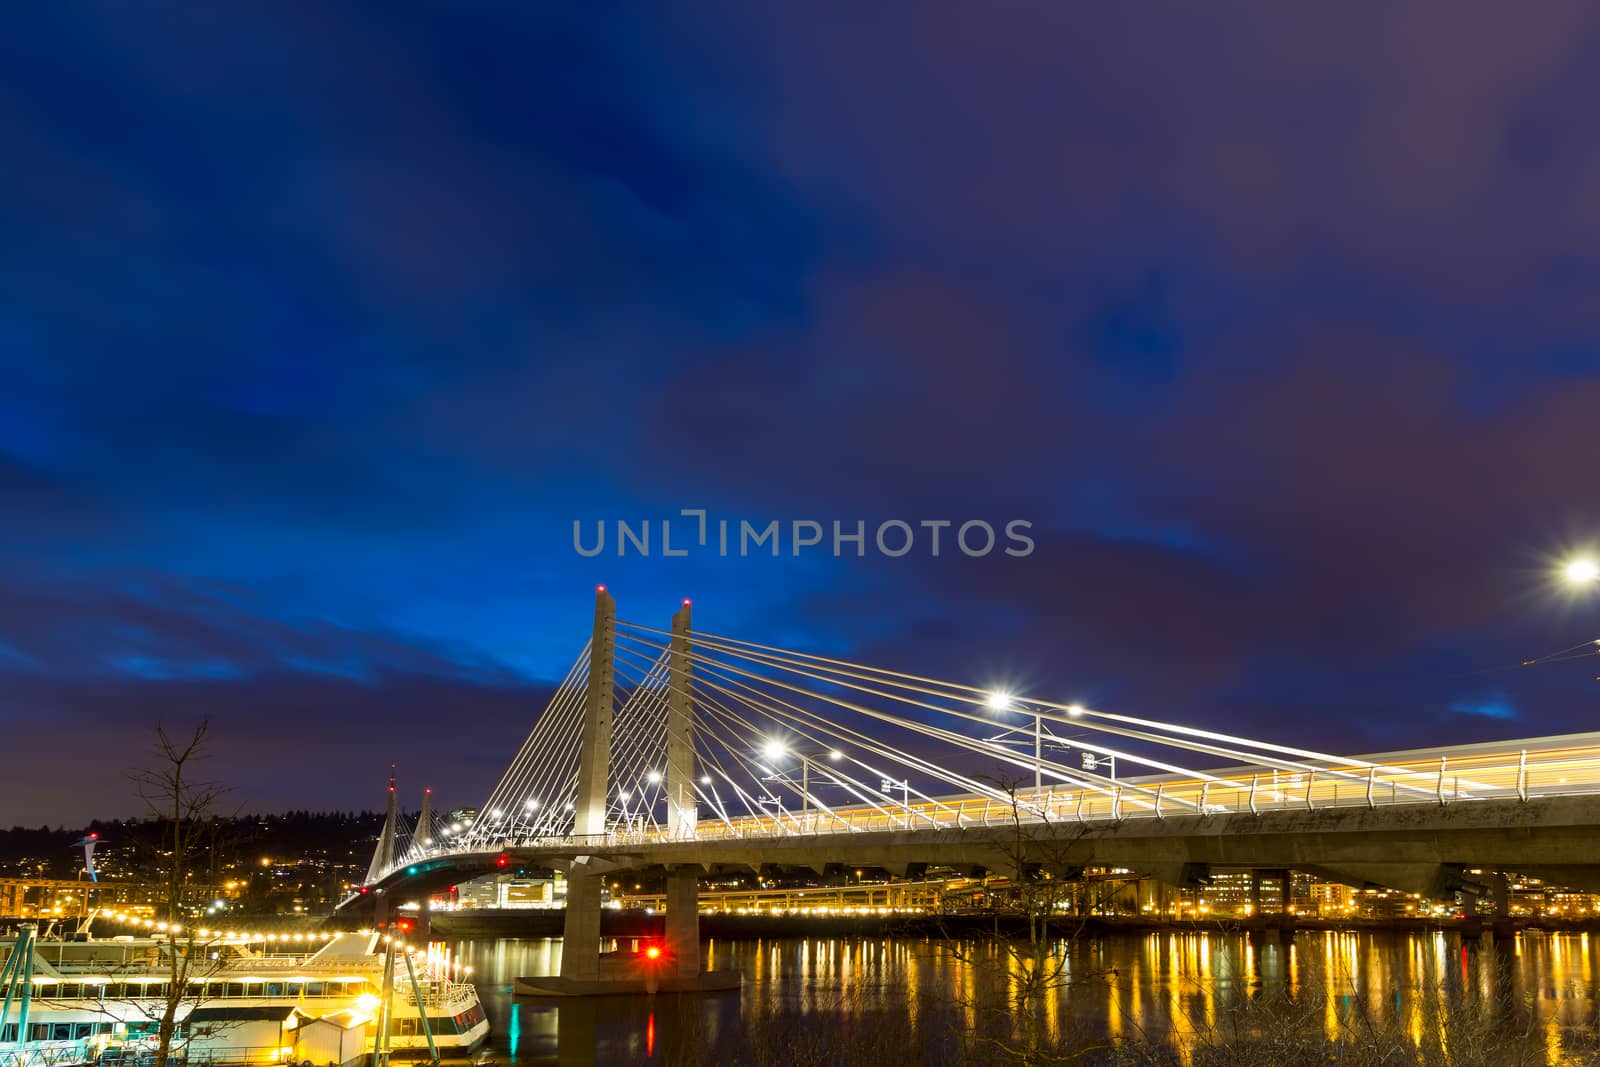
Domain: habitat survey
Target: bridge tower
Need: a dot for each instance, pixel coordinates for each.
(594, 758)
(683, 882)
(681, 811)
(383, 858)
(580, 939)
(424, 831)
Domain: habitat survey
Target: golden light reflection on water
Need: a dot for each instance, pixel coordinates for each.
(1183, 988)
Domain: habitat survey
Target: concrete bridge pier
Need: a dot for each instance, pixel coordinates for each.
(580, 934)
(683, 919)
(1282, 878)
(1500, 894)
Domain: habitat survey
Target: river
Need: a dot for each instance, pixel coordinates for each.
(848, 1000)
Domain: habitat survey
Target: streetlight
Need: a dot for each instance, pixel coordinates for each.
(1000, 701)
(776, 750)
(1580, 575)
(1581, 571)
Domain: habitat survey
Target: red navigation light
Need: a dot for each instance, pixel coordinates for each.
(599, 589)
(502, 860)
(366, 889)
(94, 837)
(685, 601)
(653, 952)
(404, 925)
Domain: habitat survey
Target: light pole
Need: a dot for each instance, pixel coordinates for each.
(1000, 701)
(777, 750)
(1580, 575)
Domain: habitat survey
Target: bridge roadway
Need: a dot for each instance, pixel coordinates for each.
(1418, 821)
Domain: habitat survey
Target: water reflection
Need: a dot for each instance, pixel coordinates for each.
(1183, 989)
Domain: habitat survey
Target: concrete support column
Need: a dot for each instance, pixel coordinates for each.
(580, 937)
(594, 760)
(1500, 894)
(683, 919)
(1285, 881)
(681, 811)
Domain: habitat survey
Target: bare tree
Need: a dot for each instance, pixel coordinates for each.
(1021, 974)
(183, 805)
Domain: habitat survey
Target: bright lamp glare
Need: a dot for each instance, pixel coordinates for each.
(774, 750)
(836, 755)
(999, 701)
(1075, 710)
(1582, 571)
(654, 777)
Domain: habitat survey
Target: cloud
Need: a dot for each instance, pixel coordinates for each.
(283, 740)
(318, 331)
(1493, 707)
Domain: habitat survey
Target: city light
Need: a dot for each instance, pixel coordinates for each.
(1582, 571)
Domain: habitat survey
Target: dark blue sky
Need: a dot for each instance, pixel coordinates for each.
(320, 324)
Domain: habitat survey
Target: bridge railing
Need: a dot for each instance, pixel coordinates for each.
(1502, 777)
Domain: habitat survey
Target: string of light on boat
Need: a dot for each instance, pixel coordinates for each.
(174, 929)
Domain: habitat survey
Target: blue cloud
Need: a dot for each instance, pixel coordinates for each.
(1495, 706)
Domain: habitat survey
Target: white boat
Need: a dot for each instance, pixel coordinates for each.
(99, 1001)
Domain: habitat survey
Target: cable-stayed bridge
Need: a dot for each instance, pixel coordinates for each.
(697, 752)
